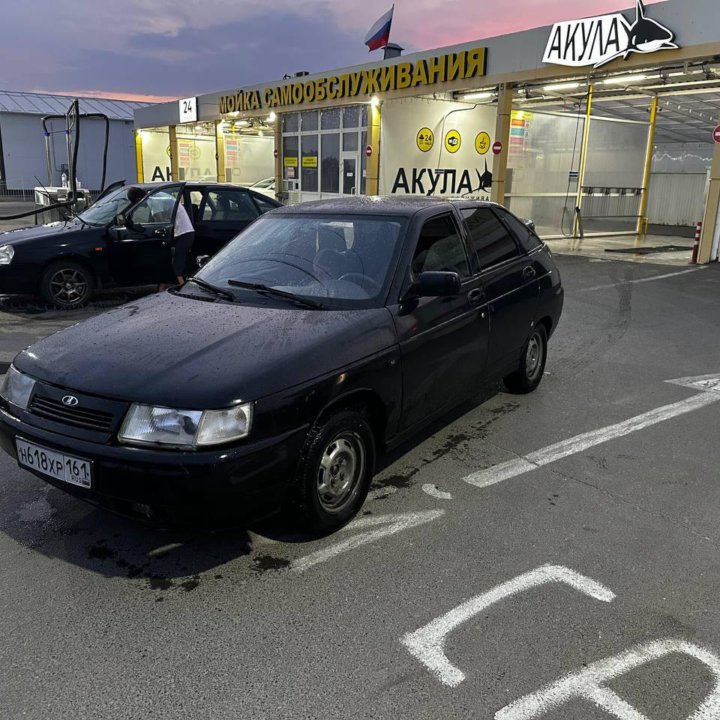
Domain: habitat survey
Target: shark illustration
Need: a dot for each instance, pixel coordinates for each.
(646, 36)
(485, 179)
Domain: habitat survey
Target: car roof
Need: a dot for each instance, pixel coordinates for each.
(379, 205)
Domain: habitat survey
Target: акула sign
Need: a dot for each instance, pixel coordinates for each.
(363, 83)
(599, 40)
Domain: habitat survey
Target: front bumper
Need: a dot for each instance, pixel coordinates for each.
(238, 484)
(14, 282)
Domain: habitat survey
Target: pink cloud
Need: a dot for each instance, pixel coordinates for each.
(430, 24)
(111, 95)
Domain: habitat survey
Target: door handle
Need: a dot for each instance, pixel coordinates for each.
(475, 297)
(528, 273)
(160, 232)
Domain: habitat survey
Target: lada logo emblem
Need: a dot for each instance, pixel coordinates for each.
(70, 401)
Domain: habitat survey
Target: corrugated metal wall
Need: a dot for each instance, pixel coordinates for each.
(26, 160)
(677, 199)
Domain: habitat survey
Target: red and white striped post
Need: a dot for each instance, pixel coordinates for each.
(696, 244)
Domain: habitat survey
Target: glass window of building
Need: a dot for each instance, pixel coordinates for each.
(197, 152)
(330, 167)
(309, 174)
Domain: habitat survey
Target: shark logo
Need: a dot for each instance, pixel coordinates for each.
(485, 179)
(597, 41)
(648, 36)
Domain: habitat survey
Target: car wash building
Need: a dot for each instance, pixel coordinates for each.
(598, 126)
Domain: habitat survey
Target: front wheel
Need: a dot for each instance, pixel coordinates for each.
(336, 467)
(66, 284)
(532, 365)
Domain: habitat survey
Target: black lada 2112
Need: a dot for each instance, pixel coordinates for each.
(318, 338)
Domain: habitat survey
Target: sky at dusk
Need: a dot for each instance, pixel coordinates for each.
(177, 48)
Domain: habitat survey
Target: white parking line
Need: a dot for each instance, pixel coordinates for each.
(393, 524)
(434, 491)
(524, 464)
(588, 684)
(428, 643)
(643, 280)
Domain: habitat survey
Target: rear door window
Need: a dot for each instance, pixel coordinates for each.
(528, 239)
(491, 241)
(440, 248)
(228, 206)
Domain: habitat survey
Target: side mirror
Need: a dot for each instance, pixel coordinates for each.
(120, 220)
(201, 260)
(530, 225)
(435, 284)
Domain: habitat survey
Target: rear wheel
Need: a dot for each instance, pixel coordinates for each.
(335, 470)
(66, 284)
(532, 365)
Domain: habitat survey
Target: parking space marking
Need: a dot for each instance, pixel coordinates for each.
(588, 684)
(710, 393)
(642, 280)
(386, 525)
(434, 491)
(428, 643)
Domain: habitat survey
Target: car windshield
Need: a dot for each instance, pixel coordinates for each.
(343, 261)
(106, 209)
(264, 184)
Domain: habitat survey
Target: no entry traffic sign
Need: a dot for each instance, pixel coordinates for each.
(716, 134)
(497, 148)
(368, 150)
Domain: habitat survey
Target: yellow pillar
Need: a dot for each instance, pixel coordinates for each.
(278, 156)
(648, 165)
(220, 150)
(372, 181)
(503, 124)
(174, 156)
(712, 210)
(139, 156)
(583, 158)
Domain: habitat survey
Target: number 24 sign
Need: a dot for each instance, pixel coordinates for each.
(188, 110)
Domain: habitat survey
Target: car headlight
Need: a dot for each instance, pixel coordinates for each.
(17, 388)
(148, 425)
(7, 252)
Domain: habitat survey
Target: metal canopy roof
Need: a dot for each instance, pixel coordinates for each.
(45, 104)
(689, 101)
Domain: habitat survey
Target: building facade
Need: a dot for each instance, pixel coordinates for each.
(601, 125)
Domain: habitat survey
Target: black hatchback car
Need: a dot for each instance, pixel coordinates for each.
(323, 335)
(113, 243)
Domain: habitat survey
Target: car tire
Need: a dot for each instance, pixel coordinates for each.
(66, 284)
(532, 364)
(336, 466)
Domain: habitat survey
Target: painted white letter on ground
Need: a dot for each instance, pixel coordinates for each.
(427, 643)
(588, 683)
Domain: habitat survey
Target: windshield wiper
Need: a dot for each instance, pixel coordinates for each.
(213, 289)
(265, 290)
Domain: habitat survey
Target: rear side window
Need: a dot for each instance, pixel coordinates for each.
(528, 239)
(440, 248)
(490, 239)
(228, 206)
(263, 204)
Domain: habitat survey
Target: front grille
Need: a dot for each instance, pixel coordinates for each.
(85, 418)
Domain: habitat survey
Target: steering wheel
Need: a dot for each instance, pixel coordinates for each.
(361, 280)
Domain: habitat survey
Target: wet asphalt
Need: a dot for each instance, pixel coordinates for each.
(102, 617)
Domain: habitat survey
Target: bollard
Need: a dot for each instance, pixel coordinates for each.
(696, 244)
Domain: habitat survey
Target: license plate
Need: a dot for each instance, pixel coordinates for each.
(58, 466)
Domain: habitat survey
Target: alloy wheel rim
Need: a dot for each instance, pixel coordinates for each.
(68, 286)
(533, 358)
(342, 465)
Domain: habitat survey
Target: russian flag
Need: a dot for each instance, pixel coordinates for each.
(379, 34)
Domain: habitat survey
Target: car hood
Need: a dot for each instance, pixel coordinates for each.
(40, 232)
(171, 350)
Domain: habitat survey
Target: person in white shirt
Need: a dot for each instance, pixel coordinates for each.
(183, 239)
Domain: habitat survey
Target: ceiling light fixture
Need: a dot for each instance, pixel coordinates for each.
(561, 86)
(624, 79)
(479, 96)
